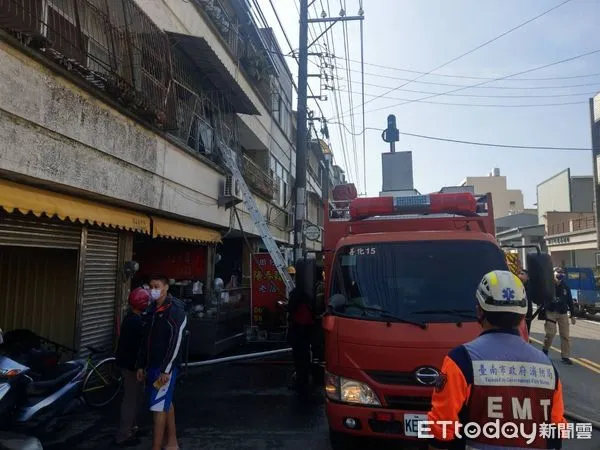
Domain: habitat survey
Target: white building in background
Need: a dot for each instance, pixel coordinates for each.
(566, 209)
(506, 201)
(564, 192)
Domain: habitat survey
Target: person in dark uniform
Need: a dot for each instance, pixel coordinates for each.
(128, 348)
(300, 333)
(556, 314)
(318, 342)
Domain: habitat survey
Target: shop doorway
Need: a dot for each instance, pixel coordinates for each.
(38, 291)
(231, 263)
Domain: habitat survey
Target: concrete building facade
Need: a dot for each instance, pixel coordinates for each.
(565, 193)
(506, 201)
(565, 208)
(114, 121)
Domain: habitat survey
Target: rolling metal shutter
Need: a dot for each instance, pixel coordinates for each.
(99, 290)
(44, 234)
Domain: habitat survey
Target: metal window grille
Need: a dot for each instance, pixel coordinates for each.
(113, 45)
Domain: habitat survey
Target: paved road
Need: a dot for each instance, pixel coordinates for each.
(581, 380)
(248, 407)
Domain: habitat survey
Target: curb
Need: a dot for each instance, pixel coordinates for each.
(581, 419)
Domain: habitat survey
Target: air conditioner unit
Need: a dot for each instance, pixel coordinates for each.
(231, 192)
(231, 188)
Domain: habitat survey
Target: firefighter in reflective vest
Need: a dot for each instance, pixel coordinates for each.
(514, 265)
(497, 379)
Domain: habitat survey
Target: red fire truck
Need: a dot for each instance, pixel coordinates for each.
(401, 275)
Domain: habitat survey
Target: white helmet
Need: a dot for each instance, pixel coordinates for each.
(502, 291)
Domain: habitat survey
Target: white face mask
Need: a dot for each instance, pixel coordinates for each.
(155, 294)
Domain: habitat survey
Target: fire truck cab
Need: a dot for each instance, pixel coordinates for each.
(401, 275)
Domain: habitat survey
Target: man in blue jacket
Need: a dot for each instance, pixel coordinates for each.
(159, 359)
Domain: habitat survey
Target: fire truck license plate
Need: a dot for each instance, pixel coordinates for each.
(411, 424)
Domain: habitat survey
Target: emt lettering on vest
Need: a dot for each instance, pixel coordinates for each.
(497, 388)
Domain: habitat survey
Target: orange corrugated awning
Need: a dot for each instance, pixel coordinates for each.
(184, 232)
(27, 199)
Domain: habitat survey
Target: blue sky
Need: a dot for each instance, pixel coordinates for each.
(419, 35)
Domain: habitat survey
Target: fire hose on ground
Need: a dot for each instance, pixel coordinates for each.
(258, 355)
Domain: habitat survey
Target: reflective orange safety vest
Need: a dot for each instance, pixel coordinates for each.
(497, 379)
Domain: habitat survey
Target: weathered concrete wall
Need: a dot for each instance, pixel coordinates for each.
(56, 132)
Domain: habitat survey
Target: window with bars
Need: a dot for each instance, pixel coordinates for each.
(114, 46)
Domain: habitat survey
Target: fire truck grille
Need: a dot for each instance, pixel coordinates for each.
(408, 403)
(402, 378)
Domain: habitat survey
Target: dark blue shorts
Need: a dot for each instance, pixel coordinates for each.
(160, 399)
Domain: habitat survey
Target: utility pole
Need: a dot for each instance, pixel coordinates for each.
(301, 135)
(302, 118)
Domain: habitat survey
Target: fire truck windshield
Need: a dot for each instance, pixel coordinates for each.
(430, 281)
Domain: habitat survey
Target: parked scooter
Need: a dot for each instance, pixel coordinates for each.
(38, 391)
(12, 379)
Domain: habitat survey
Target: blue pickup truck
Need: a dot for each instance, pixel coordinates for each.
(584, 289)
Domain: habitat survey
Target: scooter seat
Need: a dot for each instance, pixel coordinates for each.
(64, 373)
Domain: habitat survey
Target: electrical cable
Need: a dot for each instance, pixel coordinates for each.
(475, 49)
(364, 126)
(431, 83)
(351, 94)
(292, 50)
(343, 136)
(337, 99)
(483, 144)
(485, 105)
(338, 102)
(495, 79)
(487, 144)
(489, 96)
(445, 75)
(320, 32)
(328, 46)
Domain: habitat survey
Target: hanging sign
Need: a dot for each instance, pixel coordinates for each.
(266, 288)
(312, 232)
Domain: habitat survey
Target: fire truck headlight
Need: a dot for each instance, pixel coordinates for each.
(349, 391)
(353, 391)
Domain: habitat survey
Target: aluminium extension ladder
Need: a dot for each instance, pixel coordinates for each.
(259, 220)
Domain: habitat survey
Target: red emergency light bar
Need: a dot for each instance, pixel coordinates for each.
(456, 203)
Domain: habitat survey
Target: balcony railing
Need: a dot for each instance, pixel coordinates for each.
(572, 225)
(224, 22)
(117, 49)
(254, 60)
(259, 179)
